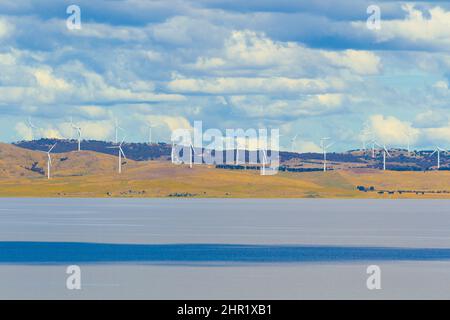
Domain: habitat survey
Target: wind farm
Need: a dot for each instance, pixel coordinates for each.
(156, 171)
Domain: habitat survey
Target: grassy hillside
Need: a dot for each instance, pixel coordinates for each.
(90, 174)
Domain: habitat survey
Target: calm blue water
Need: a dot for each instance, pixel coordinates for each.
(69, 252)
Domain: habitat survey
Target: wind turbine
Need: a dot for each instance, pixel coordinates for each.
(365, 133)
(374, 143)
(238, 145)
(192, 154)
(117, 128)
(408, 136)
(264, 161)
(438, 150)
(174, 156)
(150, 127)
(121, 153)
(324, 149)
(385, 154)
(32, 127)
(49, 161)
(293, 140)
(78, 129)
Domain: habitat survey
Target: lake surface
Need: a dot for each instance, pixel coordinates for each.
(224, 248)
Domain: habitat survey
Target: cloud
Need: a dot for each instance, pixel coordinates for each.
(420, 29)
(438, 136)
(390, 130)
(23, 131)
(51, 133)
(245, 49)
(252, 85)
(360, 62)
(98, 130)
(6, 28)
(93, 112)
(430, 118)
(306, 146)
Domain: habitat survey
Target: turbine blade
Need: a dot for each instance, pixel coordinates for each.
(52, 147)
(123, 154)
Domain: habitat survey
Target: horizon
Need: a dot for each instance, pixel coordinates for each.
(74, 141)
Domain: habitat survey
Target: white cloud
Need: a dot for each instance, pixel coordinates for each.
(105, 31)
(93, 112)
(417, 28)
(51, 133)
(360, 62)
(306, 146)
(436, 136)
(430, 118)
(23, 131)
(441, 85)
(259, 106)
(253, 85)
(245, 49)
(71, 84)
(90, 130)
(6, 28)
(47, 79)
(390, 130)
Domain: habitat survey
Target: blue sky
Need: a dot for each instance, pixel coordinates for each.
(311, 68)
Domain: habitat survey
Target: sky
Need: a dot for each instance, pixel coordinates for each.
(310, 68)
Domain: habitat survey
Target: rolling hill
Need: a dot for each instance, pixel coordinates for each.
(400, 160)
(93, 174)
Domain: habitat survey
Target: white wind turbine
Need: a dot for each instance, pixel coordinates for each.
(385, 154)
(78, 130)
(32, 128)
(150, 127)
(192, 154)
(121, 153)
(239, 145)
(408, 137)
(374, 143)
(366, 132)
(324, 150)
(172, 154)
(438, 150)
(293, 140)
(117, 128)
(49, 161)
(264, 161)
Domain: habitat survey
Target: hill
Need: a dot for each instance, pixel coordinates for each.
(92, 174)
(400, 160)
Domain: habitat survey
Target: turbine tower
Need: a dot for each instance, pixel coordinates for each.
(238, 146)
(408, 137)
(192, 155)
(374, 143)
(121, 153)
(293, 140)
(366, 132)
(324, 150)
(385, 154)
(150, 127)
(49, 161)
(438, 150)
(78, 130)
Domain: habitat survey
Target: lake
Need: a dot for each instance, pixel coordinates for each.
(224, 248)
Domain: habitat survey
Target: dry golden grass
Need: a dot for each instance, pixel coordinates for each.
(90, 174)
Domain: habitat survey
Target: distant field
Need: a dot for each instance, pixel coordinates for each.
(157, 179)
(90, 174)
